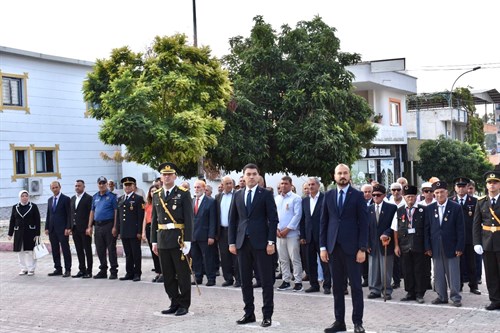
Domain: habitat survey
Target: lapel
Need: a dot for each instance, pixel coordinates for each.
(318, 204)
(256, 197)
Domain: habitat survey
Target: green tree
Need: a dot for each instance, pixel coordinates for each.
(294, 109)
(474, 132)
(448, 159)
(162, 104)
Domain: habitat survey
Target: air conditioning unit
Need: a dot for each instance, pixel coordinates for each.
(34, 186)
(148, 176)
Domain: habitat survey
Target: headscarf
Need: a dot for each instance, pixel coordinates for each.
(21, 193)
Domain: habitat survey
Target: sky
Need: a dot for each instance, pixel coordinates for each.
(440, 39)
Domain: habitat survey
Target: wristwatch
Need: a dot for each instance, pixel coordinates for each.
(270, 243)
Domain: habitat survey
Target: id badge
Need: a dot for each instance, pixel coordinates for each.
(411, 230)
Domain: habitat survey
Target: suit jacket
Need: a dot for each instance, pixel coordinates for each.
(59, 220)
(180, 206)
(130, 215)
(468, 209)
(259, 224)
(309, 224)
(482, 216)
(347, 228)
(80, 215)
(387, 211)
(451, 232)
(205, 221)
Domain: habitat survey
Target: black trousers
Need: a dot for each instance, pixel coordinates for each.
(468, 266)
(396, 270)
(57, 242)
(229, 262)
(83, 246)
(176, 277)
(414, 266)
(203, 257)
(312, 264)
(492, 272)
(133, 256)
(247, 257)
(104, 241)
(156, 260)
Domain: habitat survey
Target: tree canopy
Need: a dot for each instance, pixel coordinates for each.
(294, 109)
(448, 159)
(163, 104)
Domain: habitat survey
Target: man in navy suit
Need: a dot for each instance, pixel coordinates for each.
(205, 228)
(343, 242)
(309, 234)
(445, 242)
(58, 227)
(380, 236)
(252, 236)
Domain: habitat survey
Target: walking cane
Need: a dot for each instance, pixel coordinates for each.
(385, 243)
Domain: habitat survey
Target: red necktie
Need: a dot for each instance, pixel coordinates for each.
(196, 206)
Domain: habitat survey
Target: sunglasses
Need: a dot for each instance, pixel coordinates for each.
(427, 191)
(395, 189)
(377, 195)
(102, 183)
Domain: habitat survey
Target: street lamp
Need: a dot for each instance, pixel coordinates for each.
(450, 100)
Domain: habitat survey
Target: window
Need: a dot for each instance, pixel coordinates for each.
(45, 161)
(395, 111)
(14, 92)
(21, 161)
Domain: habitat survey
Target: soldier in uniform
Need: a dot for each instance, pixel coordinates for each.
(171, 234)
(409, 234)
(486, 236)
(129, 225)
(468, 259)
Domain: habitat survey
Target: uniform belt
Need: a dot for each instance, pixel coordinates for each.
(170, 226)
(103, 222)
(492, 228)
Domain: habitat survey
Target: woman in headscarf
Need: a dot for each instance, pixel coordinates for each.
(25, 226)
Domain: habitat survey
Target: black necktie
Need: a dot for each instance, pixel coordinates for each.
(249, 201)
(166, 195)
(341, 200)
(461, 202)
(493, 202)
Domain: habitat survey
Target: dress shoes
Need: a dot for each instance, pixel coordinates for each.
(155, 279)
(55, 273)
(408, 297)
(395, 285)
(457, 304)
(78, 275)
(172, 309)
(136, 278)
(101, 275)
(337, 326)
(373, 295)
(181, 311)
(327, 291)
(210, 283)
(160, 279)
(388, 297)
(266, 322)
(439, 301)
(126, 277)
(358, 328)
(66, 274)
(475, 291)
(113, 276)
(246, 319)
(420, 300)
(227, 283)
(312, 289)
(237, 284)
(492, 306)
(87, 276)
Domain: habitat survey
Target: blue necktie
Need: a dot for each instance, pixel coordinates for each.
(341, 200)
(54, 204)
(249, 201)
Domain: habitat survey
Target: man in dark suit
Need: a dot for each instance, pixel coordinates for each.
(252, 236)
(171, 234)
(380, 236)
(129, 225)
(468, 259)
(486, 236)
(309, 235)
(229, 262)
(204, 230)
(445, 241)
(58, 227)
(367, 190)
(81, 205)
(343, 242)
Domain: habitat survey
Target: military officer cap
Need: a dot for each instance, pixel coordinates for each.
(128, 180)
(410, 190)
(379, 188)
(439, 184)
(461, 181)
(492, 175)
(102, 179)
(168, 168)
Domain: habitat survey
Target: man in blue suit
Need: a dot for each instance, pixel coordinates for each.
(252, 236)
(445, 242)
(205, 229)
(58, 227)
(309, 235)
(343, 242)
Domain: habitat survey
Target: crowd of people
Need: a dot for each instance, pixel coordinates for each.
(251, 237)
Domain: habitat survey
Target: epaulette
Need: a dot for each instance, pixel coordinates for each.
(182, 188)
(158, 190)
(482, 198)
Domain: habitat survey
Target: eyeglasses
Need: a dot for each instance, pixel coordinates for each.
(460, 185)
(395, 189)
(102, 183)
(427, 191)
(377, 195)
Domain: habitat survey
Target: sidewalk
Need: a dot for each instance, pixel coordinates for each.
(55, 304)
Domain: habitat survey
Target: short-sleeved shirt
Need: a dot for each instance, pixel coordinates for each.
(104, 206)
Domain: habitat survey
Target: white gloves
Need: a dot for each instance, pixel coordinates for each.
(478, 249)
(186, 248)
